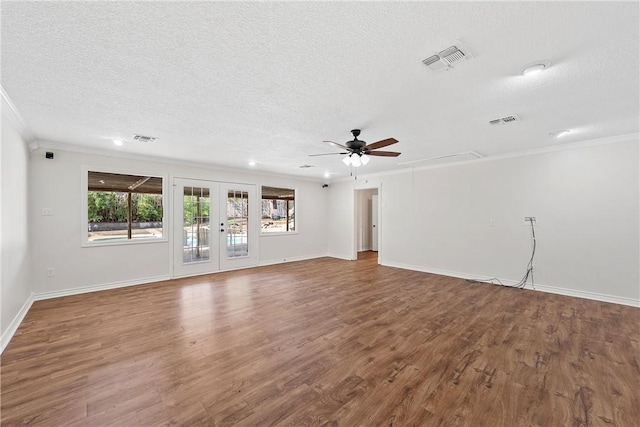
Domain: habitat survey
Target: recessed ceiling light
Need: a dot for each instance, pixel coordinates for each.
(327, 175)
(559, 133)
(535, 68)
(118, 142)
(252, 163)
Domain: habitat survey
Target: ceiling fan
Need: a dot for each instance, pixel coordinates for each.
(358, 150)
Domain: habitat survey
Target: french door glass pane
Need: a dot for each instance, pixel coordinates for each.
(237, 224)
(196, 214)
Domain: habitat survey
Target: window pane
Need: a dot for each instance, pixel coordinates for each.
(196, 216)
(278, 210)
(237, 224)
(123, 207)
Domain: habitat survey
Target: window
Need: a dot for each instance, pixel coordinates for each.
(123, 208)
(278, 210)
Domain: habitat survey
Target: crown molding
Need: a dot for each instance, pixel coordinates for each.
(524, 153)
(178, 162)
(10, 110)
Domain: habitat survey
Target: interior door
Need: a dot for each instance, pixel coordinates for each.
(238, 231)
(195, 210)
(374, 223)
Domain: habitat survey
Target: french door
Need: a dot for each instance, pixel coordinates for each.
(238, 221)
(214, 226)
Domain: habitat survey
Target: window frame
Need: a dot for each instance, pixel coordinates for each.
(84, 217)
(295, 210)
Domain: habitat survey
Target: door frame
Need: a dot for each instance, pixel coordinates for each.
(216, 187)
(354, 239)
(253, 227)
(211, 265)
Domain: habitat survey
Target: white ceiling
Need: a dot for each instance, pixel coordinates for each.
(231, 82)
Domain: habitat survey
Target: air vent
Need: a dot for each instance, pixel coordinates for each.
(504, 120)
(447, 58)
(452, 55)
(142, 138)
(306, 166)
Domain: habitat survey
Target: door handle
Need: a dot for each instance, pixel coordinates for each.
(222, 230)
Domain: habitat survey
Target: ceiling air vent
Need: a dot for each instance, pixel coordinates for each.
(142, 138)
(504, 120)
(305, 166)
(447, 58)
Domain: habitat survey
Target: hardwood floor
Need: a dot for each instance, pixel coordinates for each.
(323, 342)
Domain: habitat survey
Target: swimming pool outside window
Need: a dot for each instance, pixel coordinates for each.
(123, 208)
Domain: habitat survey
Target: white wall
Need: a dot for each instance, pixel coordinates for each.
(586, 201)
(341, 220)
(15, 278)
(56, 184)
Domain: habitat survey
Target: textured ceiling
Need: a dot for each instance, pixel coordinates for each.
(231, 82)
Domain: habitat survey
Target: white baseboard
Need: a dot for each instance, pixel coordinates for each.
(15, 323)
(290, 259)
(587, 295)
(541, 288)
(341, 256)
(95, 288)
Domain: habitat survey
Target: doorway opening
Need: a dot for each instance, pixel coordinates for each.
(367, 222)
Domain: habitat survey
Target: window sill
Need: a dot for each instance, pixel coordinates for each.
(86, 244)
(281, 233)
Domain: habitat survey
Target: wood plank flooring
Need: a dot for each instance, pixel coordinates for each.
(323, 342)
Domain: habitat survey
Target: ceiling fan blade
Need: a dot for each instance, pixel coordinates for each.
(335, 144)
(383, 143)
(383, 153)
(325, 154)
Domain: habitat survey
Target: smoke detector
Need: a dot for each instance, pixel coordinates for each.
(504, 120)
(142, 138)
(447, 58)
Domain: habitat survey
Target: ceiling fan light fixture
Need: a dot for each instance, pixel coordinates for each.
(355, 161)
(347, 160)
(364, 159)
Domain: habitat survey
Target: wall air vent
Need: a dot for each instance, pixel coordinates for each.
(306, 166)
(504, 120)
(447, 58)
(142, 138)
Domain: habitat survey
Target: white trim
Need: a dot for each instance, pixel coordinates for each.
(523, 153)
(171, 161)
(537, 287)
(84, 220)
(341, 256)
(588, 295)
(11, 111)
(15, 323)
(279, 233)
(291, 259)
(95, 288)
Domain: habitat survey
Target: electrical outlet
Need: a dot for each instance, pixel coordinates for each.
(530, 219)
(51, 272)
(47, 212)
(492, 222)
